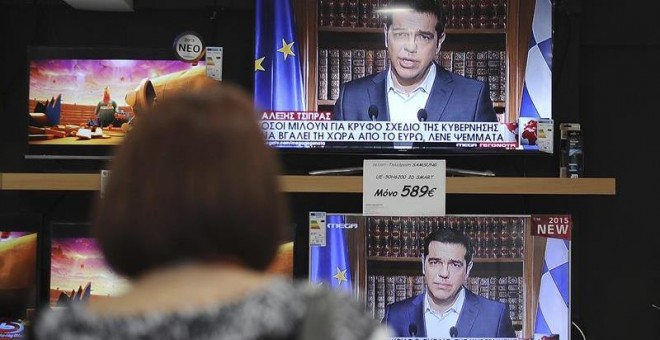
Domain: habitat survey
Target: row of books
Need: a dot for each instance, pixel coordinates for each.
(337, 66)
(470, 14)
(505, 289)
(492, 237)
(383, 290)
(488, 66)
(459, 14)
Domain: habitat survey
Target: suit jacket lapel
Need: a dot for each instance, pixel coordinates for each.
(417, 315)
(443, 86)
(468, 314)
(378, 95)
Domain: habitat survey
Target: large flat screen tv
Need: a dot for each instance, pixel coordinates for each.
(325, 76)
(516, 284)
(67, 115)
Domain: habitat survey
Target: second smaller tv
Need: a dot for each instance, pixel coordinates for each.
(78, 270)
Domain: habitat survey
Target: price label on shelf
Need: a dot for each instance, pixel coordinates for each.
(404, 188)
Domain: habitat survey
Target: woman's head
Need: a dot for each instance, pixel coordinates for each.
(193, 181)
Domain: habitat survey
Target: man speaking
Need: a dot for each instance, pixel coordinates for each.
(447, 308)
(413, 83)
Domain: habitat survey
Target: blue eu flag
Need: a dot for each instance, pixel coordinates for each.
(278, 81)
(330, 264)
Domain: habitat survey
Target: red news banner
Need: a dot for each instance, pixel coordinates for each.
(553, 226)
(316, 128)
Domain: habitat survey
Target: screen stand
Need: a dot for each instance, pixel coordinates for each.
(358, 170)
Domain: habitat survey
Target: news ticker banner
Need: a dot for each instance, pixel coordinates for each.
(404, 187)
(316, 128)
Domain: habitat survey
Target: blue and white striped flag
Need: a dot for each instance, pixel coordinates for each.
(537, 91)
(553, 313)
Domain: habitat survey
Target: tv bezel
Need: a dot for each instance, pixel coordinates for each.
(438, 150)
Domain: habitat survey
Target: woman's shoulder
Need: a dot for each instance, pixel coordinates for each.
(332, 314)
(283, 309)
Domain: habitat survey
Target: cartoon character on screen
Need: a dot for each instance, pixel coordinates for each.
(447, 308)
(105, 109)
(414, 87)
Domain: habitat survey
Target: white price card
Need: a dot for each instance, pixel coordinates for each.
(404, 187)
(214, 62)
(317, 228)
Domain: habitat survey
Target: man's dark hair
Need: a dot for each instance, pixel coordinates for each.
(193, 182)
(433, 7)
(451, 236)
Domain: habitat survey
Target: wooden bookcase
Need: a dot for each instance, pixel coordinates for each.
(513, 39)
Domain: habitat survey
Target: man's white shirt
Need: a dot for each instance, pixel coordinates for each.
(438, 324)
(403, 106)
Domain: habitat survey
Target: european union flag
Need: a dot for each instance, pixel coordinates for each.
(330, 264)
(278, 81)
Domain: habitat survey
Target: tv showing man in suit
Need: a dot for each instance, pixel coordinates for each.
(447, 308)
(414, 88)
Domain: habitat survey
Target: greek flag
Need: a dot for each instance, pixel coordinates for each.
(330, 264)
(537, 89)
(278, 83)
(553, 313)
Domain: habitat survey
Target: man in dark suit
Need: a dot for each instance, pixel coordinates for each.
(447, 308)
(414, 33)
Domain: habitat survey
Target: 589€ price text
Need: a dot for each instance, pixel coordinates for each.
(407, 191)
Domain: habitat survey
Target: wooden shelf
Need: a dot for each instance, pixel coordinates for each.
(346, 184)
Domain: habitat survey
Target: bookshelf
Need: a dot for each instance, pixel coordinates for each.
(512, 38)
(387, 265)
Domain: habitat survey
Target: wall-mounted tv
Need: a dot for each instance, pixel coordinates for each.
(78, 270)
(337, 76)
(83, 101)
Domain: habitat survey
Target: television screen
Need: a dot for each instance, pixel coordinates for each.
(78, 271)
(20, 241)
(83, 101)
(335, 76)
(514, 284)
(18, 277)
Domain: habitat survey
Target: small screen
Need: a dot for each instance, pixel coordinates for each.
(79, 273)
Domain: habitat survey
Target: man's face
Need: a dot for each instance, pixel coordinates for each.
(445, 271)
(412, 42)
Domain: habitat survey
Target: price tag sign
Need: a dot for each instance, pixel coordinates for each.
(404, 188)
